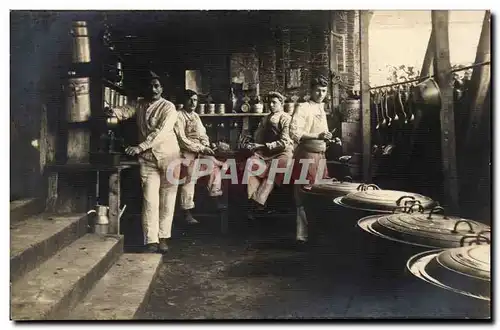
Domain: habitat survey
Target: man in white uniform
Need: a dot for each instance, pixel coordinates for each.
(194, 143)
(158, 148)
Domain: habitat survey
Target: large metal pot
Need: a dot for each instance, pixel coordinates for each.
(363, 249)
(321, 212)
(409, 230)
(428, 230)
(379, 262)
(465, 270)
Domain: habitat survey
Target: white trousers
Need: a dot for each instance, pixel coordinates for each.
(301, 217)
(187, 189)
(259, 189)
(159, 195)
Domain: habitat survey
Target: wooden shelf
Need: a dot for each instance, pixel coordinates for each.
(114, 86)
(249, 114)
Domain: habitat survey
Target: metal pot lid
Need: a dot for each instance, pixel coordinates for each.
(465, 270)
(423, 229)
(335, 187)
(383, 201)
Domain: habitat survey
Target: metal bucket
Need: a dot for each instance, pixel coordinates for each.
(78, 100)
(81, 44)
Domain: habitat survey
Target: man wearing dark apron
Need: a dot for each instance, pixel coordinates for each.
(274, 148)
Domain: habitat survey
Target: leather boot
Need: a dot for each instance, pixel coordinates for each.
(188, 217)
(163, 247)
(151, 248)
(301, 219)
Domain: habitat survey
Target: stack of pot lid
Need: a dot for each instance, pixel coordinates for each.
(465, 270)
(383, 201)
(336, 188)
(423, 229)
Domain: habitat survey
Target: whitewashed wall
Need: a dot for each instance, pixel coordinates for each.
(401, 37)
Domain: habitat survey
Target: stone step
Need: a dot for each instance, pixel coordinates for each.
(123, 292)
(24, 208)
(54, 288)
(36, 239)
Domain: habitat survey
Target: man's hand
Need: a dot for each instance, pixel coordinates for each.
(108, 112)
(132, 151)
(325, 136)
(345, 159)
(207, 151)
(257, 146)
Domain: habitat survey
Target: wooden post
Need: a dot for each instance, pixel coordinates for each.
(364, 22)
(333, 65)
(427, 67)
(442, 69)
(480, 81)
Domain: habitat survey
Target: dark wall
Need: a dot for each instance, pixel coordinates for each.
(39, 49)
(167, 42)
(172, 42)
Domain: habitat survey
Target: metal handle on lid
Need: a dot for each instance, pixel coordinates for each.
(347, 178)
(413, 202)
(418, 205)
(476, 239)
(361, 187)
(471, 230)
(483, 232)
(436, 209)
(403, 208)
(398, 202)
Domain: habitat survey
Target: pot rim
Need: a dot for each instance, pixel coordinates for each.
(366, 223)
(417, 263)
(338, 201)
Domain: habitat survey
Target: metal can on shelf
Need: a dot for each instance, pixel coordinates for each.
(221, 108)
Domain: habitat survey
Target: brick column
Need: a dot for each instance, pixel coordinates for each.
(267, 65)
(300, 56)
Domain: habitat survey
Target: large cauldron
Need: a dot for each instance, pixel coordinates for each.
(391, 239)
(322, 213)
(465, 270)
